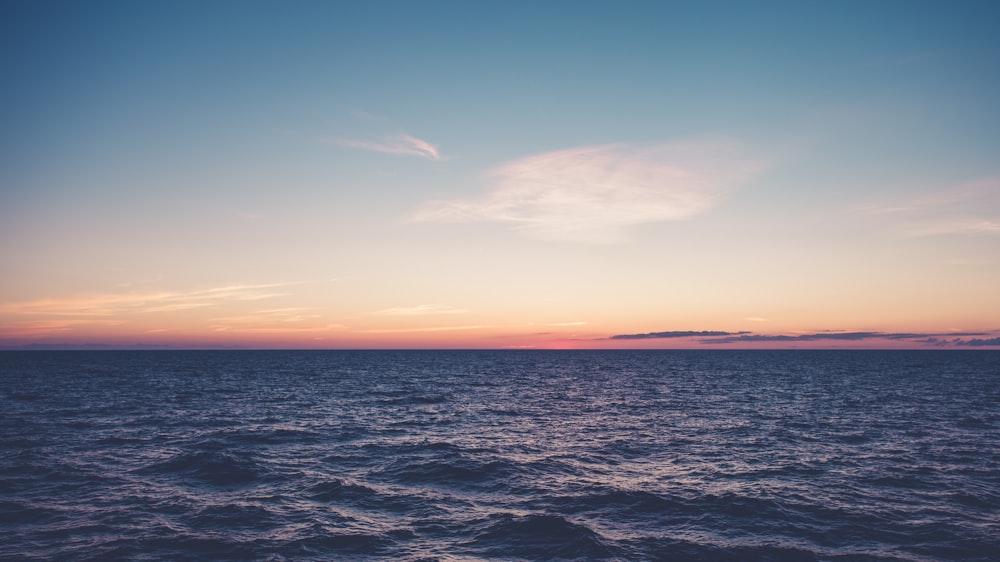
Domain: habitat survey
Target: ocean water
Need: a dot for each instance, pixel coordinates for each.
(500, 455)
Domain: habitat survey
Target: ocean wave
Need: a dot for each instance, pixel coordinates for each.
(220, 468)
(537, 537)
(457, 472)
(453, 456)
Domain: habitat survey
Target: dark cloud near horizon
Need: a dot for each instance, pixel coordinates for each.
(857, 336)
(675, 334)
(842, 336)
(905, 336)
(979, 342)
(723, 337)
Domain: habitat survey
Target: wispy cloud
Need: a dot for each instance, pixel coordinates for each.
(394, 144)
(269, 316)
(594, 193)
(104, 305)
(420, 310)
(427, 329)
(951, 225)
(675, 334)
(969, 208)
(954, 195)
(34, 328)
(277, 330)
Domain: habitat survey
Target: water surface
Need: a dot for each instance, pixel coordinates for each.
(508, 455)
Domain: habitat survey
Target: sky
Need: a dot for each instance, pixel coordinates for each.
(373, 174)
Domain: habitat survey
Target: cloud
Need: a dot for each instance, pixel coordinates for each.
(842, 336)
(430, 329)
(32, 328)
(594, 193)
(969, 208)
(833, 336)
(271, 316)
(718, 337)
(54, 315)
(166, 301)
(420, 310)
(674, 334)
(980, 342)
(277, 330)
(395, 144)
(955, 195)
(952, 225)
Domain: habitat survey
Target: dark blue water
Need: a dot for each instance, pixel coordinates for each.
(534, 455)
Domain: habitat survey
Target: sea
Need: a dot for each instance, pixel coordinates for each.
(500, 455)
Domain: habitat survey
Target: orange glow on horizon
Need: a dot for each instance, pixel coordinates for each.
(340, 338)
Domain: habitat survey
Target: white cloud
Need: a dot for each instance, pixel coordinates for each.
(418, 330)
(271, 316)
(125, 303)
(395, 144)
(594, 193)
(967, 195)
(952, 225)
(420, 310)
(277, 330)
(969, 208)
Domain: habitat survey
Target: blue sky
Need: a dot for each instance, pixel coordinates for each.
(598, 168)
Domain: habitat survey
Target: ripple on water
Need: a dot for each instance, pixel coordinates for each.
(777, 456)
(219, 468)
(537, 536)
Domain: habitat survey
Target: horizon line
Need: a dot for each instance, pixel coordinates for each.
(155, 347)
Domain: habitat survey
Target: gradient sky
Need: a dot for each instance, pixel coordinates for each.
(500, 174)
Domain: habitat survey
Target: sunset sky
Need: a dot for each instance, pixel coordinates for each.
(500, 174)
